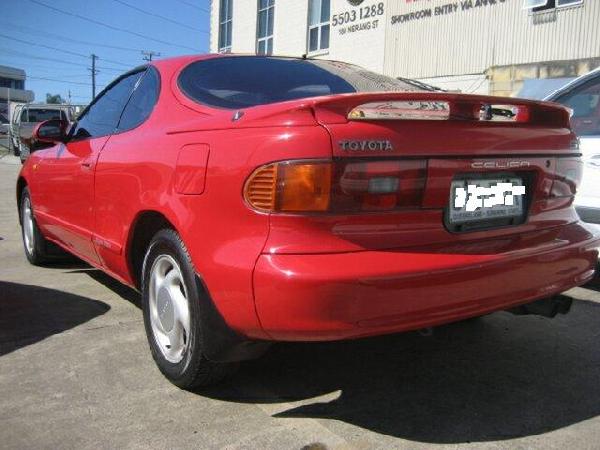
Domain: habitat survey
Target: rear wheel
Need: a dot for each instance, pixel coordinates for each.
(33, 241)
(171, 304)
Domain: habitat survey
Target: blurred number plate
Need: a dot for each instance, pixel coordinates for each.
(461, 215)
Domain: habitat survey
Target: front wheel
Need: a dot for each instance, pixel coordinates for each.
(171, 304)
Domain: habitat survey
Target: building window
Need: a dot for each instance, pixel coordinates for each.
(225, 20)
(543, 5)
(264, 34)
(318, 25)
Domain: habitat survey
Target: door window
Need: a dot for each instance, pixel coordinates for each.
(584, 100)
(102, 116)
(141, 103)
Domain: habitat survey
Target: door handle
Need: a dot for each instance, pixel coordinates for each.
(86, 165)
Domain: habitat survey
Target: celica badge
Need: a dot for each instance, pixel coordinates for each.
(366, 146)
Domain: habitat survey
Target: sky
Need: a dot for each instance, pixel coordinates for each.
(53, 45)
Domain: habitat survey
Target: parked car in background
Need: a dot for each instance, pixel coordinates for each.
(26, 117)
(258, 199)
(582, 95)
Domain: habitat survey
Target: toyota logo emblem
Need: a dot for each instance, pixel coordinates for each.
(355, 2)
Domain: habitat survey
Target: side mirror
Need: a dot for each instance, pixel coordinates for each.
(51, 131)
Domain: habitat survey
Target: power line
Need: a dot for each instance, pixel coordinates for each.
(80, 83)
(29, 56)
(81, 55)
(68, 39)
(97, 22)
(148, 13)
(191, 5)
(42, 45)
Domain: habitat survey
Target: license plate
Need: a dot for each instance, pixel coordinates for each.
(461, 215)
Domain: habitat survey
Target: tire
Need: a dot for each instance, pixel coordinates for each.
(23, 155)
(12, 148)
(34, 244)
(171, 300)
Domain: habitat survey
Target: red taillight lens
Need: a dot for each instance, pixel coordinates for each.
(378, 185)
(338, 187)
(567, 177)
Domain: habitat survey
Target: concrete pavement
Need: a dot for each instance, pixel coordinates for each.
(75, 372)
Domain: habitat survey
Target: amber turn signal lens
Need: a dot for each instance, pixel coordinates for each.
(304, 187)
(290, 187)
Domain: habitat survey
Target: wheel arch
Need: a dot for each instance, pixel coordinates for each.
(21, 185)
(145, 225)
(225, 344)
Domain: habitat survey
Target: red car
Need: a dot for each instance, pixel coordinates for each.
(260, 199)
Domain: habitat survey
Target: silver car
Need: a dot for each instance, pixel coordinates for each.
(582, 95)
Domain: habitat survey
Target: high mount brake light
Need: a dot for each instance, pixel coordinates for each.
(439, 110)
(342, 186)
(401, 110)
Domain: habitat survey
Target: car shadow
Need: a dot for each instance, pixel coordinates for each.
(29, 314)
(500, 377)
(496, 378)
(123, 291)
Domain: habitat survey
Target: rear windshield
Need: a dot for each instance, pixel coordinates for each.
(243, 81)
(41, 115)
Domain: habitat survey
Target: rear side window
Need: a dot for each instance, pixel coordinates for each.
(141, 103)
(244, 81)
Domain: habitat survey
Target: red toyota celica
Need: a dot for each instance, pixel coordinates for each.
(259, 199)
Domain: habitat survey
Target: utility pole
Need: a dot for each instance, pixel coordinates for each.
(147, 56)
(94, 72)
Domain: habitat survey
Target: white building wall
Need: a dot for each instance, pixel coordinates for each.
(455, 46)
(289, 30)
(214, 27)
(474, 35)
(360, 42)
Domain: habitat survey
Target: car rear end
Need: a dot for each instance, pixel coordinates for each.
(372, 241)
(358, 180)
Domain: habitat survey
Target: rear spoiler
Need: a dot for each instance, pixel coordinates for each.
(438, 106)
(333, 109)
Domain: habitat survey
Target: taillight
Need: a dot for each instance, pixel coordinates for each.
(338, 187)
(567, 177)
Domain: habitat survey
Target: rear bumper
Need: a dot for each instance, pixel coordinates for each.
(347, 295)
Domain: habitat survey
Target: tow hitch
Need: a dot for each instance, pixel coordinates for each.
(546, 307)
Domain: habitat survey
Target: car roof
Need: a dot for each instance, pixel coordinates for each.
(574, 83)
(47, 106)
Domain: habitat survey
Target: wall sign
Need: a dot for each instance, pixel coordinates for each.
(446, 9)
(358, 19)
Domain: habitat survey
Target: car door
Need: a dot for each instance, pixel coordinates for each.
(69, 172)
(124, 168)
(584, 100)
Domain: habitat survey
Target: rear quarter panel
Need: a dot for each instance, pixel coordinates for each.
(136, 172)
